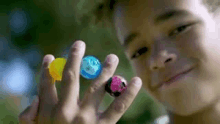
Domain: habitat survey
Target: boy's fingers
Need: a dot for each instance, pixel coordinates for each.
(47, 89)
(95, 94)
(70, 78)
(29, 114)
(121, 103)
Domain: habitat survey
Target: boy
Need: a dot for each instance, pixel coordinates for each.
(172, 46)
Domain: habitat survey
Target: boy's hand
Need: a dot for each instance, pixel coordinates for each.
(69, 109)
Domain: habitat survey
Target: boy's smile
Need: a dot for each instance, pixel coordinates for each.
(171, 83)
(165, 38)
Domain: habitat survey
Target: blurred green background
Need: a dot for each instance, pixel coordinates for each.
(31, 29)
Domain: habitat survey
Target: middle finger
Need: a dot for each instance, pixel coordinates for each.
(96, 91)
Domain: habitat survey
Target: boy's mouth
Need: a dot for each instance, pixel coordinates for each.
(173, 80)
(170, 80)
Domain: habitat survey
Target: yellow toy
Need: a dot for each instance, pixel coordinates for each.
(56, 68)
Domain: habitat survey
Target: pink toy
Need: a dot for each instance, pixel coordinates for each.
(116, 85)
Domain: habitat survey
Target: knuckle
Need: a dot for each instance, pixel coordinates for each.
(83, 119)
(132, 92)
(75, 51)
(106, 70)
(130, 95)
(42, 86)
(70, 75)
(120, 106)
(92, 89)
(45, 78)
(44, 82)
(61, 114)
(105, 73)
(107, 64)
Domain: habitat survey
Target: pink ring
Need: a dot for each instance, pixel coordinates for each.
(116, 85)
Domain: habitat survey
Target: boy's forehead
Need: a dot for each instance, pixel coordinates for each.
(154, 7)
(135, 14)
(154, 3)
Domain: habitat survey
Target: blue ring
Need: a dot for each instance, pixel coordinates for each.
(90, 67)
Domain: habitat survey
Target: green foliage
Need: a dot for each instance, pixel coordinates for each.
(9, 110)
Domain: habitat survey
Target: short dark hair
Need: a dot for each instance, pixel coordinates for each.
(102, 12)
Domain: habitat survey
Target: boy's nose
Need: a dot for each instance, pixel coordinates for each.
(162, 59)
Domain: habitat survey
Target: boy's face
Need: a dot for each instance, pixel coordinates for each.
(184, 39)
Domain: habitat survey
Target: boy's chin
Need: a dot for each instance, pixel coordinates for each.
(184, 104)
(184, 108)
(187, 112)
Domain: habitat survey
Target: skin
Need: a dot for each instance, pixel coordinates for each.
(195, 98)
(68, 109)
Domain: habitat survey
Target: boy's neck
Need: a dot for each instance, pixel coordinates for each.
(210, 115)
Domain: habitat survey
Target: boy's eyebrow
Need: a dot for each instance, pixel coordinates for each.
(129, 38)
(159, 19)
(169, 14)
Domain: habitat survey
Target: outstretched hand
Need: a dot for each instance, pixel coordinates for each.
(68, 108)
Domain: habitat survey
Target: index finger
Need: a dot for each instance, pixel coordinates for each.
(47, 90)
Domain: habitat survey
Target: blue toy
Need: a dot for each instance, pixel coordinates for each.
(91, 67)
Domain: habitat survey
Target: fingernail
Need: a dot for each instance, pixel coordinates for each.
(45, 59)
(137, 81)
(78, 44)
(111, 59)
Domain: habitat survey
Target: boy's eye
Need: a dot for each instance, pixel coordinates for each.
(139, 52)
(180, 29)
